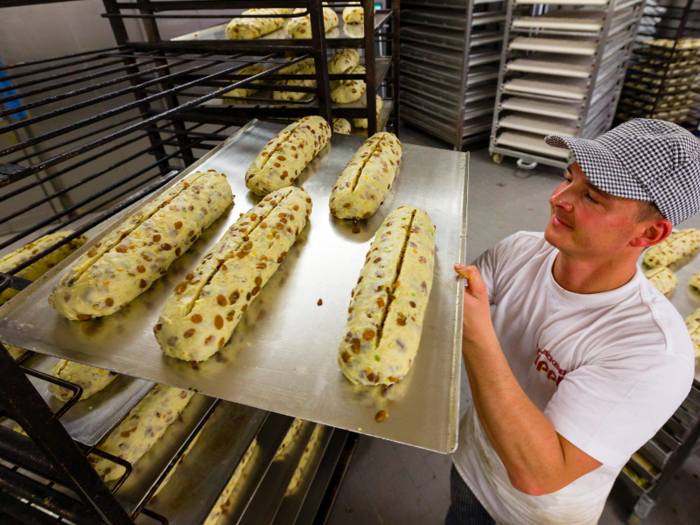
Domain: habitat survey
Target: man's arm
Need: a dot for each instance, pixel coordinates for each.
(538, 460)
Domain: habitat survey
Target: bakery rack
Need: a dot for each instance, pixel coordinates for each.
(450, 53)
(103, 130)
(380, 28)
(562, 66)
(662, 80)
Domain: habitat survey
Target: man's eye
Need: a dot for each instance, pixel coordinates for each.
(588, 196)
(568, 180)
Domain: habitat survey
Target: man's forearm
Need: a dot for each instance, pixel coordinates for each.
(522, 436)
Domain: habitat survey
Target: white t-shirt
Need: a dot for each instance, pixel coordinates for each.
(607, 370)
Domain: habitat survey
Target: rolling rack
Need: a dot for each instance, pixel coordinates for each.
(104, 129)
(562, 66)
(450, 52)
(662, 79)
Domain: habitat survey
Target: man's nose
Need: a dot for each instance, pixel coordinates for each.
(561, 199)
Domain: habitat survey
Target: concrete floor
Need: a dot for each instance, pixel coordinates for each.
(392, 484)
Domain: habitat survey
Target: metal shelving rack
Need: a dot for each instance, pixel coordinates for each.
(662, 80)
(104, 129)
(653, 466)
(562, 66)
(450, 53)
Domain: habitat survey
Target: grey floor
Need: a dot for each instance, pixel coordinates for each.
(391, 484)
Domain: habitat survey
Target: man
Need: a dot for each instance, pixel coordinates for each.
(581, 360)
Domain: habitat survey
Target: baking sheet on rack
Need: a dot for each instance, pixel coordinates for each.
(218, 32)
(282, 356)
(89, 420)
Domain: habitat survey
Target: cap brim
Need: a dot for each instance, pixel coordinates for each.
(601, 167)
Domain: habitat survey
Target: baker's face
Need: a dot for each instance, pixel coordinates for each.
(589, 222)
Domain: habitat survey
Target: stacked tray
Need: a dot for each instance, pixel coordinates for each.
(662, 82)
(561, 73)
(450, 53)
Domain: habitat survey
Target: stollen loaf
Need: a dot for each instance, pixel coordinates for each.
(342, 126)
(126, 262)
(145, 424)
(249, 28)
(692, 322)
(344, 60)
(362, 122)
(663, 279)
(283, 159)
(200, 317)
(385, 321)
(43, 265)
(348, 91)
(695, 280)
(244, 91)
(354, 14)
(89, 378)
(674, 247)
(306, 456)
(300, 27)
(305, 69)
(364, 183)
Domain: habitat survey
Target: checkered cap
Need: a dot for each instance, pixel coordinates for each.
(645, 160)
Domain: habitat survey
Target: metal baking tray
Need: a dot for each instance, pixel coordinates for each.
(197, 483)
(561, 88)
(553, 64)
(90, 420)
(329, 477)
(448, 39)
(291, 505)
(343, 31)
(484, 107)
(148, 471)
(569, 46)
(562, 2)
(282, 356)
(447, 96)
(536, 107)
(565, 20)
(529, 142)
(384, 114)
(539, 125)
(270, 501)
(433, 55)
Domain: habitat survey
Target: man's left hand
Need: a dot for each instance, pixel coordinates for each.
(476, 319)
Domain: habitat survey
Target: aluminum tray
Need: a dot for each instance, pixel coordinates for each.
(538, 125)
(532, 143)
(564, 88)
(448, 39)
(283, 354)
(549, 109)
(343, 31)
(566, 20)
(91, 419)
(569, 46)
(553, 64)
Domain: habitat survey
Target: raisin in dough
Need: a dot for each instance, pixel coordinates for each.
(127, 261)
(385, 321)
(201, 315)
(364, 183)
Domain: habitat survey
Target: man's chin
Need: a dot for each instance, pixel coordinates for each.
(554, 235)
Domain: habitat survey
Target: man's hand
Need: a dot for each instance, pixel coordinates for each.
(476, 320)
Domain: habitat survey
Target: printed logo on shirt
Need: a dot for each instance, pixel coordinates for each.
(545, 363)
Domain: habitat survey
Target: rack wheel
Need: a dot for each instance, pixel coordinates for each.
(497, 158)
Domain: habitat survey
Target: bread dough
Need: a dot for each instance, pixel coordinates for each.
(201, 315)
(385, 321)
(249, 28)
(300, 27)
(90, 378)
(306, 69)
(692, 322)
(43, 265)
(141, 429)
(364, 183)
(663, 279)
(354, 15)
(362, 122)
(290, 437)
(223, 504)
(283, 159)
(342, 126)
(246, 91)
(348, 91)
(674, 247)
(304, 461)
(126, 262)
(343, 61)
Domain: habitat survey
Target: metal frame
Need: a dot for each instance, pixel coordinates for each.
(169, 83)
(599, 57)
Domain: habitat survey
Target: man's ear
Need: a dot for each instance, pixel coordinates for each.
(656, 232)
